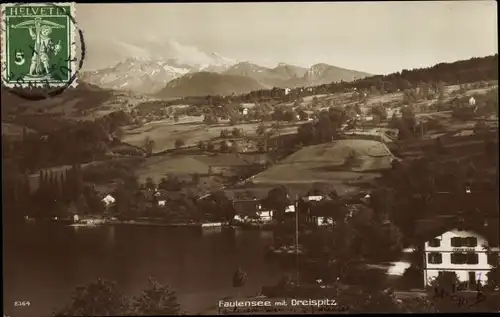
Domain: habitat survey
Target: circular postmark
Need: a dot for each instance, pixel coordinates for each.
(43, 49)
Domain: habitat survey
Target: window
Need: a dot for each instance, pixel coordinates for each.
(472, 258)
(458, 258)
(470, 242)
(464, 258)
(456, 242)
(435, 258)
(434, 243)
(493, 258)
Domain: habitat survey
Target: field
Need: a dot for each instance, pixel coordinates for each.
(189, 129)
(184, 166)
(343, 163)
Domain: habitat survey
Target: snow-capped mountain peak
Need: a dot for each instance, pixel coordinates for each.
(156, 61)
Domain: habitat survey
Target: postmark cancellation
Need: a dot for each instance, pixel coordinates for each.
(38, 45)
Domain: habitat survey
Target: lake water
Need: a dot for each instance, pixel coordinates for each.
(43, 263)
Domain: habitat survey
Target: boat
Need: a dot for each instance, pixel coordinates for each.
(82, 225)
(211, 225)
(29, 219)
(88, 222)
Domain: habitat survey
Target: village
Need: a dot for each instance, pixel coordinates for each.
(396, 190)
(300, 194)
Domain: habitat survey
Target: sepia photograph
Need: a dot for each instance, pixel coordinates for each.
(249, 158)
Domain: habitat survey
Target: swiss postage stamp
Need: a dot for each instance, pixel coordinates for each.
(39, 47)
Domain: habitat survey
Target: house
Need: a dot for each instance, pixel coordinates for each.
(251, 210)
(472, 102)
(108, 200)
(460, 249)
(313, 198)
(290, 208)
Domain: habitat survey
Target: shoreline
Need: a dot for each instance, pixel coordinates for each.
(202, 225)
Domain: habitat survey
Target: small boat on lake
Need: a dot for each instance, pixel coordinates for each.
(211, 225)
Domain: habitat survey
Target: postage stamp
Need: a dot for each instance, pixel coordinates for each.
(38, 42)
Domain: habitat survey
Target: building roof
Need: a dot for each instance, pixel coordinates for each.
(447, 202)
(436, 227)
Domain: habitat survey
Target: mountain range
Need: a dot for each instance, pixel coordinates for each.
(157, 67)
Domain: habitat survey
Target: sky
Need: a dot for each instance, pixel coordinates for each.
(374, 37)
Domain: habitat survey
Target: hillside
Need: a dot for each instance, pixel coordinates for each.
(345, 164)
(84, 101)
(320, 74)
(278, 77)
(290, 76)
(290, 71)
(206, 83)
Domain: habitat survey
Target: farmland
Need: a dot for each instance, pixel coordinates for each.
(343, 161)
(191, 131)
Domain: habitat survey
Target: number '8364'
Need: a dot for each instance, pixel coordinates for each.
(23, 303)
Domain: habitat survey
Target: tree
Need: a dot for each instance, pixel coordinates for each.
(210, 118)
(261, 146)
(340, 252)
(239, 278)
(103, 298)
(315, 102)
(306, 133)
(480, 128)
(234, 120)
(277, 200)
(224, 133)
(202, 146)
(289, 116)
(235, 148)
(119, 133)
(303, 116)
(210, 146)
(150, 184)
(94, 202)
(224, 147)
(98, 298)
(379, 110)
(261, 130)
(179, 143)
(278, 115)
(219, 206)
(156, 300)
(236, 132)
(196, 178)
(149, 145)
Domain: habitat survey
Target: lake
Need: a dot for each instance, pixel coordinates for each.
(43, 263)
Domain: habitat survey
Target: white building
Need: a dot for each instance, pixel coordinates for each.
(472, 102)
(313, 198)
(265, 215)
(461, 252)
(323, 221)
(108, 200)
